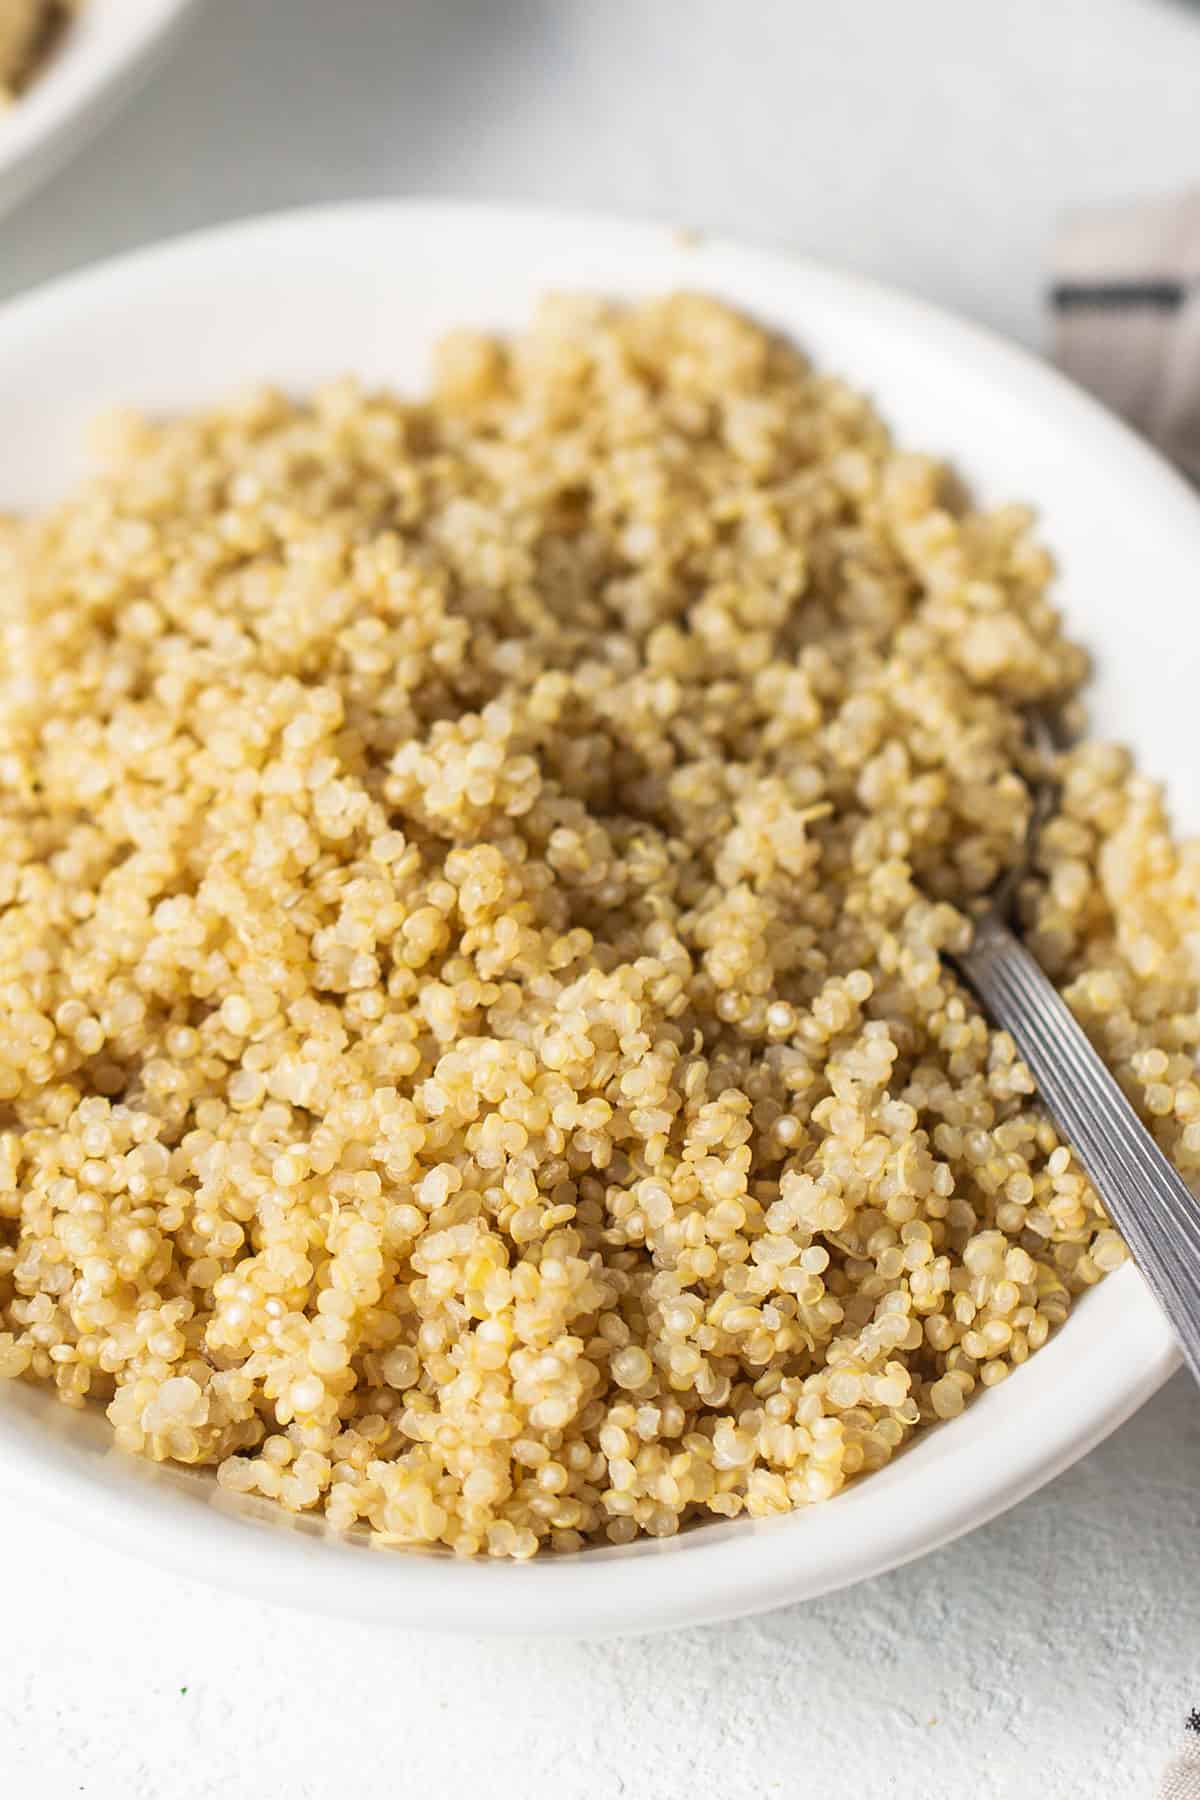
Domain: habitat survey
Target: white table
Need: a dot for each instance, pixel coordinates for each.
(933, 144)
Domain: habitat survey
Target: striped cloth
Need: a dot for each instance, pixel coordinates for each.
(1181, 1777)
(1126, 309)
(1126, 314)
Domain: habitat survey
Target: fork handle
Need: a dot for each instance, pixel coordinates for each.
(1148, 1202)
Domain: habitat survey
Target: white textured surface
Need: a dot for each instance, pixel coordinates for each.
(933, 144)
(1047, 1657)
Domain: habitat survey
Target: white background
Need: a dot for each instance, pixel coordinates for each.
(932, 143)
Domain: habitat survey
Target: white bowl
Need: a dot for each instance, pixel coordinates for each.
(102, 55)
(367, 288)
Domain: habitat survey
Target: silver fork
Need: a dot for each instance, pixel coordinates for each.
(1148, 1202)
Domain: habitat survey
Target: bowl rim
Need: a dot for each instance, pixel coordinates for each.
(105, 51)
(723, 1569)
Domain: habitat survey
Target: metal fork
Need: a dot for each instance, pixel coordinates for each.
(1148, 1202)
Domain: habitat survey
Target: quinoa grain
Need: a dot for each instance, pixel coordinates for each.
(27, 30)
(475, 1055)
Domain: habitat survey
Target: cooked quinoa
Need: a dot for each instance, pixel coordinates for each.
(475, 1051)
(26, 28)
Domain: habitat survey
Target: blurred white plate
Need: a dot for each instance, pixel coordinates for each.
(367, 289)
(102, 55)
